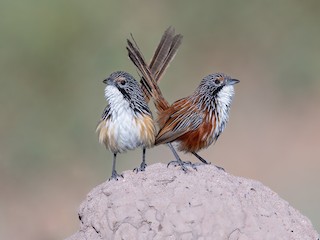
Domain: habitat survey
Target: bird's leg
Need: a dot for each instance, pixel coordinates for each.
(143, 163)
(115, 175)
(200, 158)
(178, 160)
(205, 162)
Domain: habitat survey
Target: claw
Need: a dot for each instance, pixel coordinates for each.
(220, 168)
(141, 168)
(184, 165)
(115, 176)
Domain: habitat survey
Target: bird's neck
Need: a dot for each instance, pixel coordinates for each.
(224, 98)
(223, 101)
(119, 103)
(114, 97)
(216, 104)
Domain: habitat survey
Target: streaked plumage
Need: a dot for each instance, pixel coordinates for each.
(127, 122)
(194, 122)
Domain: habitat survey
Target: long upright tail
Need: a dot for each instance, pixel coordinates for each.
(163, 55)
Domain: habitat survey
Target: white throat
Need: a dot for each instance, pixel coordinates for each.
(116, 100)
(223, 103)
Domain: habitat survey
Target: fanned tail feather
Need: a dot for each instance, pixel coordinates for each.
(164, 54)
(147, 81)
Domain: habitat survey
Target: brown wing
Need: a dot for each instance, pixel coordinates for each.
(180, 118)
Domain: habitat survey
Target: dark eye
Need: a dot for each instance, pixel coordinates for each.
(122, 82)
(217, 81)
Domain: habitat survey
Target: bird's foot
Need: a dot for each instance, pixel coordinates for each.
(115, 176)
(141, 168)
(204, 162)
(184, 165)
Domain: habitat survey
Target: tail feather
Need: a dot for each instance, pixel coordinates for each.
(175, 44)
(148, 82)
(162, 50)
(164, 54)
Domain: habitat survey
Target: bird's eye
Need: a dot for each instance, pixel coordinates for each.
(122, 82)
(217, 81)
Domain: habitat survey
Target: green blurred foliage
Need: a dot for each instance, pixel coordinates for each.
(54, 55)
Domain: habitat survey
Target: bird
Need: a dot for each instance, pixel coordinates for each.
(194, 122)
(127, 122)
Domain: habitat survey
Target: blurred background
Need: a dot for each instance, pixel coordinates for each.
(55, 54)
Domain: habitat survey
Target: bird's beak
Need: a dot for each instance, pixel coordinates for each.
(108, 81)
(232, 81)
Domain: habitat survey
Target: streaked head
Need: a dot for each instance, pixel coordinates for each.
(218, 80)
(122, 85)
(212, 84)
(121, 80)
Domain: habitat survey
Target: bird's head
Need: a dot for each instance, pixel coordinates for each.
(124, 83)
(218, 81)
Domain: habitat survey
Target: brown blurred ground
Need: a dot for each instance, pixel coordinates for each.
(54, 54)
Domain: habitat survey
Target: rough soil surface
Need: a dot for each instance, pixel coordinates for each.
(166, 203)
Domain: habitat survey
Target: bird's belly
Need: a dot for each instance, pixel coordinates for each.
(126, 132)
(120, 133)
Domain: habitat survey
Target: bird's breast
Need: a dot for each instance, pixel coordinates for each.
(124, 130)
